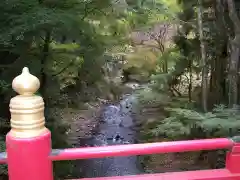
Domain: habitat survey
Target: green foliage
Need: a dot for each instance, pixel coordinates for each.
(222, 121)
(143, 61)
(4, 86)
(171, 55)
(160, 82)
(146, 13)
(148, 97)
(185, 123)
(65, 63)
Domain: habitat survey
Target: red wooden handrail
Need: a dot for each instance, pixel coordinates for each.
(141, 149)
(135, 149)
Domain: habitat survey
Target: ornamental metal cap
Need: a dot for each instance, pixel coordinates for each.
(27, 109)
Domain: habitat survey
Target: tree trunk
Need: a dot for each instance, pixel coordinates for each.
(234, 58)
(190, 80)
(233, 75)
(44, 55)
(203, 57)
(165, 65)
(217, 81)
(220, 63)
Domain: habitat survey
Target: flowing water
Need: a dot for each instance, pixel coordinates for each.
(116, 127)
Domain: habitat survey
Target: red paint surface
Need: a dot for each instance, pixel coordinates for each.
(220, 174)
(3, 161)
(141, 149)
(233, 159)
(28, 159)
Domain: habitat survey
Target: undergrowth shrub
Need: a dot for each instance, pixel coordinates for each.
(148, 97)
(189, 123)
(182, 121)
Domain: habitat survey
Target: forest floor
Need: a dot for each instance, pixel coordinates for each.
(81, 121)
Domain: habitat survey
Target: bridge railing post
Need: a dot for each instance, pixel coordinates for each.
(29, 141)
(233, 157)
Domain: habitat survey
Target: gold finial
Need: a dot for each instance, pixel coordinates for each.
(26, 83)
(27, 109)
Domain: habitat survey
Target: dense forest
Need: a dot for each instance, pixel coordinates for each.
(186, 53)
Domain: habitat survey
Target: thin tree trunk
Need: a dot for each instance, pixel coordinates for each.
(44, 55)
(203, 57)
(43, 58)
(165, 65)
(190, 80)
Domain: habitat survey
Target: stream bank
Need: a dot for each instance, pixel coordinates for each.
(149, 116)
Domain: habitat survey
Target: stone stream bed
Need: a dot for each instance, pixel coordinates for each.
(116, 126)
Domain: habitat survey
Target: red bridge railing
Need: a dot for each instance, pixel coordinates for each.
(29, 155)
(141, 149)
